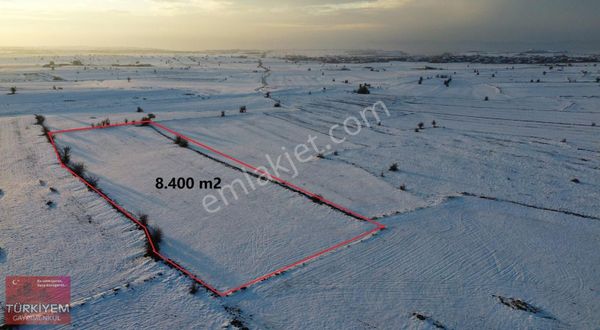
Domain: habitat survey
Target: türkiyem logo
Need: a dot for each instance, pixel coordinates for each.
(37, 300)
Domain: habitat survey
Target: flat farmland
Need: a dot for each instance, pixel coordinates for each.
(226, 236)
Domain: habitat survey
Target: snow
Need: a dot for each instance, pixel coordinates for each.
(488, 206)
(447, 262)
(85, 239)
(252, 228)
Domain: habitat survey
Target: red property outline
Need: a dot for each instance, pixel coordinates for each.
(378, 226)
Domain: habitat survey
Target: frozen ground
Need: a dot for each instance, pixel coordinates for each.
(237, 238)
(498, 201)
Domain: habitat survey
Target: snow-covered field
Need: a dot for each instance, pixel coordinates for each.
(236, 238)
(499, 200)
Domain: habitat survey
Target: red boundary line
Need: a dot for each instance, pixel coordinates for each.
(378, 227)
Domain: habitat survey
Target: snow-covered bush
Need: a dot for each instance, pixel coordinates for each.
(92, 180)
(363, 89)
(78, 168)
(39, 119)
(143, 219)
(65, 155)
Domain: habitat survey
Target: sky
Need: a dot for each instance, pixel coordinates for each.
(415, 26)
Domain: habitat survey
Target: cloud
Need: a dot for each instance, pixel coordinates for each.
(307, 6)
(359, 5)
(185, 6)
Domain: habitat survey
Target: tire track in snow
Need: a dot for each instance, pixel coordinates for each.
(591, 217)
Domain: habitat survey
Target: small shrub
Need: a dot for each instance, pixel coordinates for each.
(277, 104)
(317, 199)
(157, 236)
(363, 89)
(105, 122)
(145, 121)
(394, 167)
(139, 109)
(39, 119)
(238, 324)
(320, 155)
(92, 180)
(181, 142)
(143, 219)
(151, 116)
(78, 168)
(46, 132)
(518, 304)
(149, 251)
(575, 180)
(65, 155)
(193, 288)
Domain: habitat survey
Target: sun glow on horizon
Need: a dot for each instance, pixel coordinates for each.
(270, 24)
